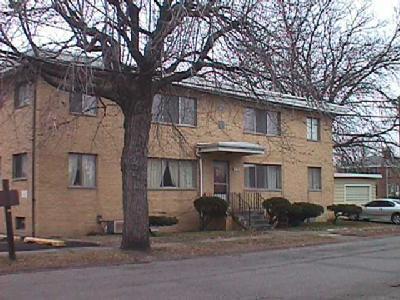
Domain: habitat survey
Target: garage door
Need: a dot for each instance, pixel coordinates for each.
(357, 193)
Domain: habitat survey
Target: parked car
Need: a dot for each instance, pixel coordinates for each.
(382, 210)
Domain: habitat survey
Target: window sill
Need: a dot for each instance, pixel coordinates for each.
(172, 189)
(22, 106)
(20, 179)
(261, 134)
(261, 190)
(82, 115)
(172, 124)
(315, 191)
(314, 141)
(81, 188)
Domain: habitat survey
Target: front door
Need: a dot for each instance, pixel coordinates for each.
(221, 179)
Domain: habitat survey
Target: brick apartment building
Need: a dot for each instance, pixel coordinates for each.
(62, 152)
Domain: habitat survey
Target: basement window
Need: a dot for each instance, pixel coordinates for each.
(19, 223)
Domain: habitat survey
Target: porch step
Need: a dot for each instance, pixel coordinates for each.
(258, 222)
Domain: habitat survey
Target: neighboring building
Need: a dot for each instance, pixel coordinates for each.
(62, 152)
(387, 165)
(355, 188)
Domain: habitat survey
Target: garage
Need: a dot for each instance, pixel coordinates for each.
(355, 188)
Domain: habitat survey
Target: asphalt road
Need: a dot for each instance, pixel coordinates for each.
(368, 269)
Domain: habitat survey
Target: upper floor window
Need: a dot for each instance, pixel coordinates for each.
(175, 110)
(24, 94)
(20, 165)
(83, 104)
(267, 177)
(171, 173)
(313, 129)
(314, 179)
(82, 170)
(261, 121)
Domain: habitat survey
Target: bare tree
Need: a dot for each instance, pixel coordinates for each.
(143, 45)
(331, 51)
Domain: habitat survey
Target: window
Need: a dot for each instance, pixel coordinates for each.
(19, 223)
(314, 179)
(83, 104)
(261, 121)
(313, 129)
(175, 110)
(24, 94)
(263, 177)
(168, 173)
(20, 163)
(82, 170)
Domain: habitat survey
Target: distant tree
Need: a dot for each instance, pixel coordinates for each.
(144, 46)
(331, 51)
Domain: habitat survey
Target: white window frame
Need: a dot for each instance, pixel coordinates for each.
(81, 186)
(84, 98)
(24, 156)
(310, 129)
(178, 187)
(29, 87)
(266, 112)
(310, 189)
(180, 117)
(249, 165)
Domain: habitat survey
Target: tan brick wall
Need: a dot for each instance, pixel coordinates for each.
(70, 212)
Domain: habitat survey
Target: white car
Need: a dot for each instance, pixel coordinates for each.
(382, 210)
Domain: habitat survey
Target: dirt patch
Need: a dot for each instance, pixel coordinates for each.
(193, 244)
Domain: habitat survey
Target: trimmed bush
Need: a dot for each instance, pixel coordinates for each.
(210, 207)
(277, 209)
(347, 210)
(162, 221)
(282, 213)
(300, 211)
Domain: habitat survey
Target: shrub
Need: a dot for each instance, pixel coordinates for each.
(282, 213)
(347, 210)
(277, 209)
(300, 211)
(162, 221)
(210, 207)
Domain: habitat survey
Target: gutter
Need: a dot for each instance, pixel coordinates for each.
(33, 170)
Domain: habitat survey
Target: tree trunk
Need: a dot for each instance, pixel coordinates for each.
(137, 122)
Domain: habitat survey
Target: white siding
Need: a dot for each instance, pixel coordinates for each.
(339, 191)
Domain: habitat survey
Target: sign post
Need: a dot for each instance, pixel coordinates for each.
(7, 199)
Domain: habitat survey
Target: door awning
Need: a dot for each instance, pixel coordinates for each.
(231, 147)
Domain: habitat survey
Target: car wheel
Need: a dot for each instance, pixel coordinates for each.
(396, 219)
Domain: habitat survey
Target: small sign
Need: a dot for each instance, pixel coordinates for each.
(9, 198)
(24, 194)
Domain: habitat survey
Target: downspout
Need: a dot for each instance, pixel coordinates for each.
(201, 170)
(33, 191)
